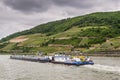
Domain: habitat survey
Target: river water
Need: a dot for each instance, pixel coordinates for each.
(105, 68)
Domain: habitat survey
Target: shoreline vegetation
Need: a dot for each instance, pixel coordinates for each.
(94, 54)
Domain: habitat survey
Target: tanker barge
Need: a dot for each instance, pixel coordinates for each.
(57, 59)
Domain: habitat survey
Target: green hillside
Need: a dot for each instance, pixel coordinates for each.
(96, 31)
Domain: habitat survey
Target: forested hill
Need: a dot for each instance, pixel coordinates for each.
(111, 19)
(85, 31)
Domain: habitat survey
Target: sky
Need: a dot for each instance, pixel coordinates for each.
(18, 15)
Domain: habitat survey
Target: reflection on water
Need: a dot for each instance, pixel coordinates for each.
(104, 69)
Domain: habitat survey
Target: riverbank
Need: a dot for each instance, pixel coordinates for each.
(96, 54)
(111, 53)
(103, 55)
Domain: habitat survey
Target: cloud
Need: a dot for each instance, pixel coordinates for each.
(75, 3)
(36, 6)
(29, 5)
(5, 30)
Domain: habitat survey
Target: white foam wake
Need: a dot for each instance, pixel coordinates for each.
(104, 67)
